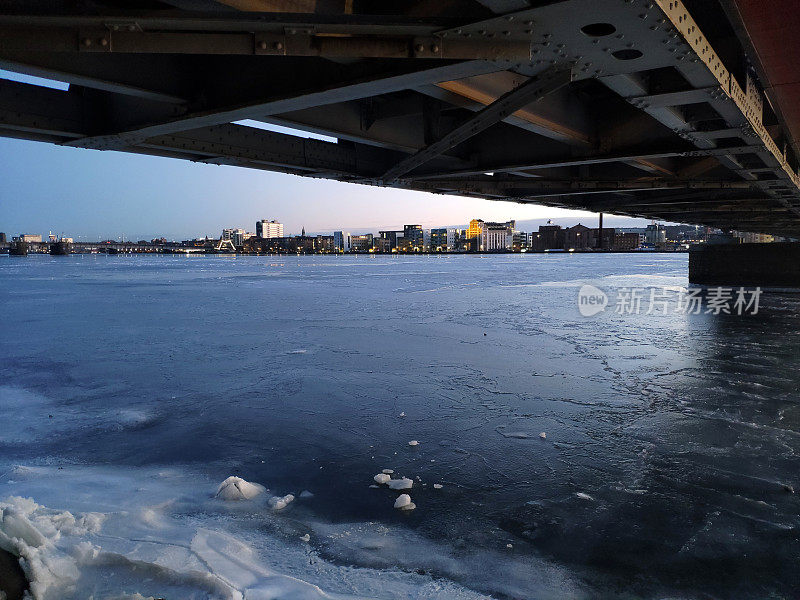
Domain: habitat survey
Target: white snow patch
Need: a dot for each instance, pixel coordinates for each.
(236, 488)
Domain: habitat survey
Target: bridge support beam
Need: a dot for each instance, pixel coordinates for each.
(766, 265)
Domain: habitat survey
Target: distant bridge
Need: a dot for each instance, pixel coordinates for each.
(685, 110)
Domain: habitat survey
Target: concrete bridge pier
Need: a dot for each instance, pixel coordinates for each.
(729, 264)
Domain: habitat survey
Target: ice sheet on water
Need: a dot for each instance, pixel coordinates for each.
(140, 543)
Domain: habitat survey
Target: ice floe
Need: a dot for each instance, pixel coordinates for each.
(382, 478)
(401, 484)
(413, 443)
(583, 496)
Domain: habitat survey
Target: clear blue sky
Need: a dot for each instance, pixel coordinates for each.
(90, 194)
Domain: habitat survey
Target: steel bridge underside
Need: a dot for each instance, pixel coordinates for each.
(653, 108)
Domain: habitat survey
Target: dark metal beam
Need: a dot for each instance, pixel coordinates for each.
(591, 159)
(536, 87)
(290, 102)
(241, 144)
(129, 75)
(108, 41)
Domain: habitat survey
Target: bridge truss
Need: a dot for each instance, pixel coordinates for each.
(649, 108)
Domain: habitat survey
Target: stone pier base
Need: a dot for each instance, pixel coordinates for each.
(765, 265)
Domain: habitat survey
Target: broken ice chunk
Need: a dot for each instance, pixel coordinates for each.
(381, 478)
(401, 484)
(404, 502)
(280, 502)
(236, 488)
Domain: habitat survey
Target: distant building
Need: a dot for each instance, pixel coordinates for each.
(608, 235)
(626, 241)
(269, 229)
(381, 245)
(3, 239)
(655, 235)
(519, 241)
(30, 237)
(341, 241)
(497, 237)
(578, 237)
(361, 243)
(455, 240)
(287, 244)
(392, 236)
(486, 236)
(753, 238)
(413, 238)
(235, 236)
(549, 237)
(325, 243)
(438, 240)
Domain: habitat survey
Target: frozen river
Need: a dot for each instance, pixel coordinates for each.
(131, 387)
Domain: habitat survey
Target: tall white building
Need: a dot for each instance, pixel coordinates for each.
(453, 238)
(497, 236)
(269, 229)
(236, 236)
(342, 241)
